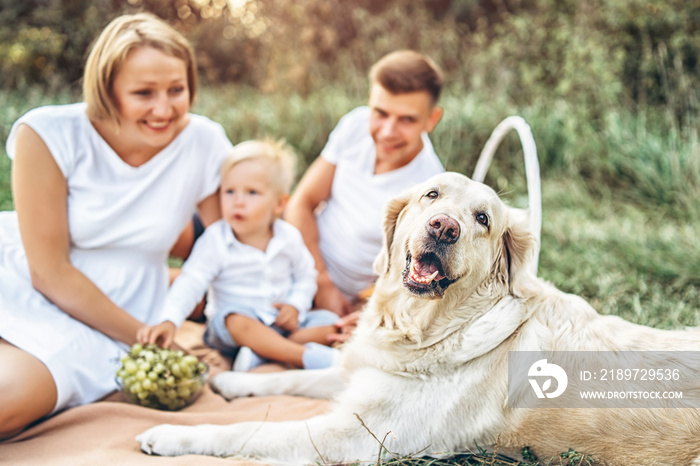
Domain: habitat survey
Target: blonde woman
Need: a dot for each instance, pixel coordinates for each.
(101, 190)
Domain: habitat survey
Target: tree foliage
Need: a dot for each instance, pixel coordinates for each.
(643, 52)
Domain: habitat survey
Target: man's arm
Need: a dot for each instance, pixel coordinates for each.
(313, 189)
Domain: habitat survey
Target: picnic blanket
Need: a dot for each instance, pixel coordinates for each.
(103, 432)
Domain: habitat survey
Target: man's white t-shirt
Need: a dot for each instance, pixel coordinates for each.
(350, 224)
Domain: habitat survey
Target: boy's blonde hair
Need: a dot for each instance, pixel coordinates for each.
(112, 47)
(277, 153)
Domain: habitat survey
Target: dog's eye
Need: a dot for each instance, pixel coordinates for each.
(483, 219)
(432, 195)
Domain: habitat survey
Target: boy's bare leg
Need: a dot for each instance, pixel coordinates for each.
(263, 340)
(313, 334)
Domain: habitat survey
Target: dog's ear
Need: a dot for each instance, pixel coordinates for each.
(516, 249)
(392, 212)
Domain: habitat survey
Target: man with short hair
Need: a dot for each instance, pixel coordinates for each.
(374, 153)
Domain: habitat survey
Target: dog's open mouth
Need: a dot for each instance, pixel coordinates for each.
(424, 275)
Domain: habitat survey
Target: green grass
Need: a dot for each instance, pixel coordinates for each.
(5, 193)
(304, 122)
(619, 217)
(14, 105)
(625, 259)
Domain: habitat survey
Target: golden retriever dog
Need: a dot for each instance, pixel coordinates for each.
(427, 368)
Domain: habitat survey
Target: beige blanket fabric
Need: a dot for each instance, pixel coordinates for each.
(103, 433)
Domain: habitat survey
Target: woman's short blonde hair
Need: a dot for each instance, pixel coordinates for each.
(276, 153)
(110, 50)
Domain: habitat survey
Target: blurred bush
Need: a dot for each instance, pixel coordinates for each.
(44, 41)
(603, 52)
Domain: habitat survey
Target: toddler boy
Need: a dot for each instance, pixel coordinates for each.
(261, 276)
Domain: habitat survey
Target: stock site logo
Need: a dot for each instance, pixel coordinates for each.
(541, 369)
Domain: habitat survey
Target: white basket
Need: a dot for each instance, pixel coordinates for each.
(532, 172)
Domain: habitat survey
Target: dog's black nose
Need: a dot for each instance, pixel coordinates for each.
(443, 228)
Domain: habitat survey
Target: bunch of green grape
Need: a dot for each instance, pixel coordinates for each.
(161, 378)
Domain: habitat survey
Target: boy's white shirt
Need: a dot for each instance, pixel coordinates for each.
(239, 276)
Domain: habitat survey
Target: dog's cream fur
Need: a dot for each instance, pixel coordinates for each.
(428, 360)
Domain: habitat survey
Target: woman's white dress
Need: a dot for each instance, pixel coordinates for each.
(122, 221)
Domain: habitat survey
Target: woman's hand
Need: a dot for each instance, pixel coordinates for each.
(162, 334)
(288, 317)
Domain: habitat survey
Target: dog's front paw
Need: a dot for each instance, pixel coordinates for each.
(167, 440)
(231, 385)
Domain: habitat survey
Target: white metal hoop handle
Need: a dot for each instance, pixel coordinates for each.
(532, 172)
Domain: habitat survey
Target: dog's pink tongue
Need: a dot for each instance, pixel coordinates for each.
(424, 272)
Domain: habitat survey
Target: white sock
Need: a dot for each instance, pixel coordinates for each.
(247, 359)
(317, 356)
